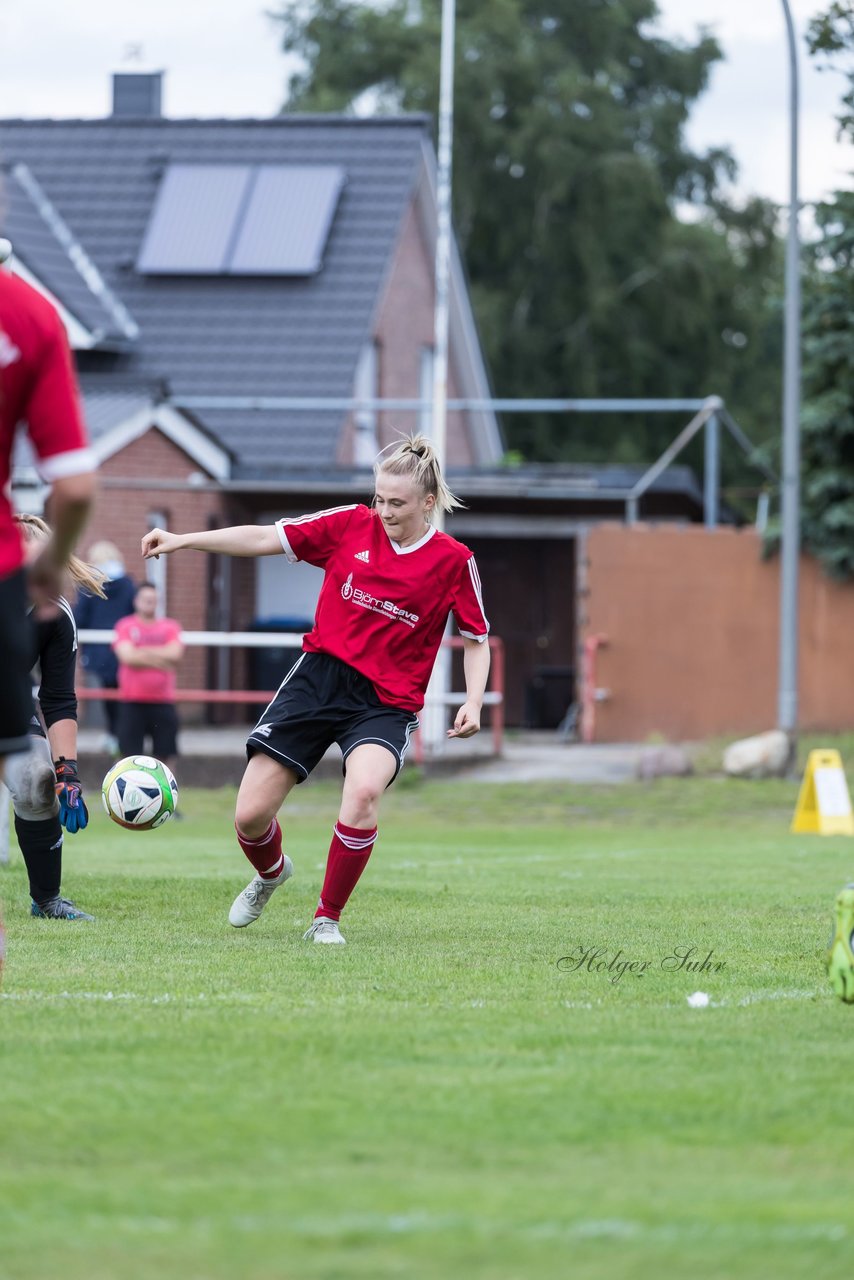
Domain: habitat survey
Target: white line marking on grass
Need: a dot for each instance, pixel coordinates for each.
(259, 998)
(224, 997)
(755, 997)
(420, 1222)
(762, 997)
(805, 994)
(698, 1231)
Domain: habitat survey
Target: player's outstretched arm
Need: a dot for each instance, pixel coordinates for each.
(476, 668)
(239, 540)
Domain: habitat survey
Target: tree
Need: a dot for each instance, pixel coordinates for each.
(569, 161)
(831, 38)
(828, 412)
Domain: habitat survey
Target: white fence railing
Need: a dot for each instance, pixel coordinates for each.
(494, 698)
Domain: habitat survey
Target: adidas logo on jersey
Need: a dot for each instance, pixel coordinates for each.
(363, 555)
(263, 731)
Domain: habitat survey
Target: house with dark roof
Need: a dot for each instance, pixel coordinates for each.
(233, 290)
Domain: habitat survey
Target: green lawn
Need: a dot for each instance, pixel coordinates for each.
(440, 1098)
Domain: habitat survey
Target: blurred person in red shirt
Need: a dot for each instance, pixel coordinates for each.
(38, 388)
(149, 650)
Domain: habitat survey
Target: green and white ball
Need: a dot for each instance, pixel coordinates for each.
(140, 793)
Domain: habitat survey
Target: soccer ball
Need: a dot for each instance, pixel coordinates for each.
(140, 793)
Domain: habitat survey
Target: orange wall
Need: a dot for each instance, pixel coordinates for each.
(691, 617)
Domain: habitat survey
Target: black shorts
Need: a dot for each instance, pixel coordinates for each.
(157, 719)
(320, 701)
(16, 655)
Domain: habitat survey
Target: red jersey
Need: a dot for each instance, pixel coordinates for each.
(37, 386)
(382, 607)
(147, 684)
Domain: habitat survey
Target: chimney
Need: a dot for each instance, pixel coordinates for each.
(137, 95)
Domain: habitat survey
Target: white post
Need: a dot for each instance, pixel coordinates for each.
(435, 716)
(443, 231)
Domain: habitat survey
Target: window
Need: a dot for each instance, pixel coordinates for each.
(425, 391)
(365, 420)
(155, 570)
(241, 220)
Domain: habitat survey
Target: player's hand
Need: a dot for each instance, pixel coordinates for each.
(157, 542)
(73, 813)
(467, 721)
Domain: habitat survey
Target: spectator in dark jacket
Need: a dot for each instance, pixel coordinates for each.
(98, 660)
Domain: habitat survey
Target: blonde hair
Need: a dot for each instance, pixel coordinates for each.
(81, 574)
(104, 550)
(415, 456)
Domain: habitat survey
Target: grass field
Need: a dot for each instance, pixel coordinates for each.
(442, 1097)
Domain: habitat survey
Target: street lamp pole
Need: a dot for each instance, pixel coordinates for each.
(787, 697)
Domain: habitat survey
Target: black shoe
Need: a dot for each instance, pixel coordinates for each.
(59, 909)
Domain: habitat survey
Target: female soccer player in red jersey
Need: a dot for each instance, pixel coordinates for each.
(37, 386)
(391, 579)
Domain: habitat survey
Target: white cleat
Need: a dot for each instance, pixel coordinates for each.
(249, 904)
(323, 930)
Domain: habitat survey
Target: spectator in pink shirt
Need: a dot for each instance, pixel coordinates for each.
(149, 650)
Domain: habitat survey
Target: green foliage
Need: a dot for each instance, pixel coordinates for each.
(827, 419)
(569, 164)
(828, 414)
(437, 1099)
(831, 36)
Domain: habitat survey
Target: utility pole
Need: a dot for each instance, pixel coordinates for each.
(787, 702)
(435, 715)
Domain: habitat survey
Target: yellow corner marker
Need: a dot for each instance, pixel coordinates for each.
(824, 805)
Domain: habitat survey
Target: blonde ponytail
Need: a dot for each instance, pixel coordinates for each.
(415, 456)
(81, 574)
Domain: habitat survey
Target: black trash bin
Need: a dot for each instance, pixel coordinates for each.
(548, 696)
(268, 665)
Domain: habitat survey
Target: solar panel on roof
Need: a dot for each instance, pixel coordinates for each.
(191, 228)
(241, 220)
(287, 220)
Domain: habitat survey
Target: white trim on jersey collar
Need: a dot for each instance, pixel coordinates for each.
(404, 551)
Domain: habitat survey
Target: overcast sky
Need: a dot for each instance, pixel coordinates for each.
(221, 57)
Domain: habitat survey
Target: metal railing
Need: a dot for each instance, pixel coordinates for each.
(493, 699)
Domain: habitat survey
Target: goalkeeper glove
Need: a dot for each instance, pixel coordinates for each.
(73, 813)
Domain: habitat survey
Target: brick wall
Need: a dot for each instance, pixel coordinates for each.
(136, 481)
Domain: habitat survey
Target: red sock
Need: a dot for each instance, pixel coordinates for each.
(265, 853)
(348, 857)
